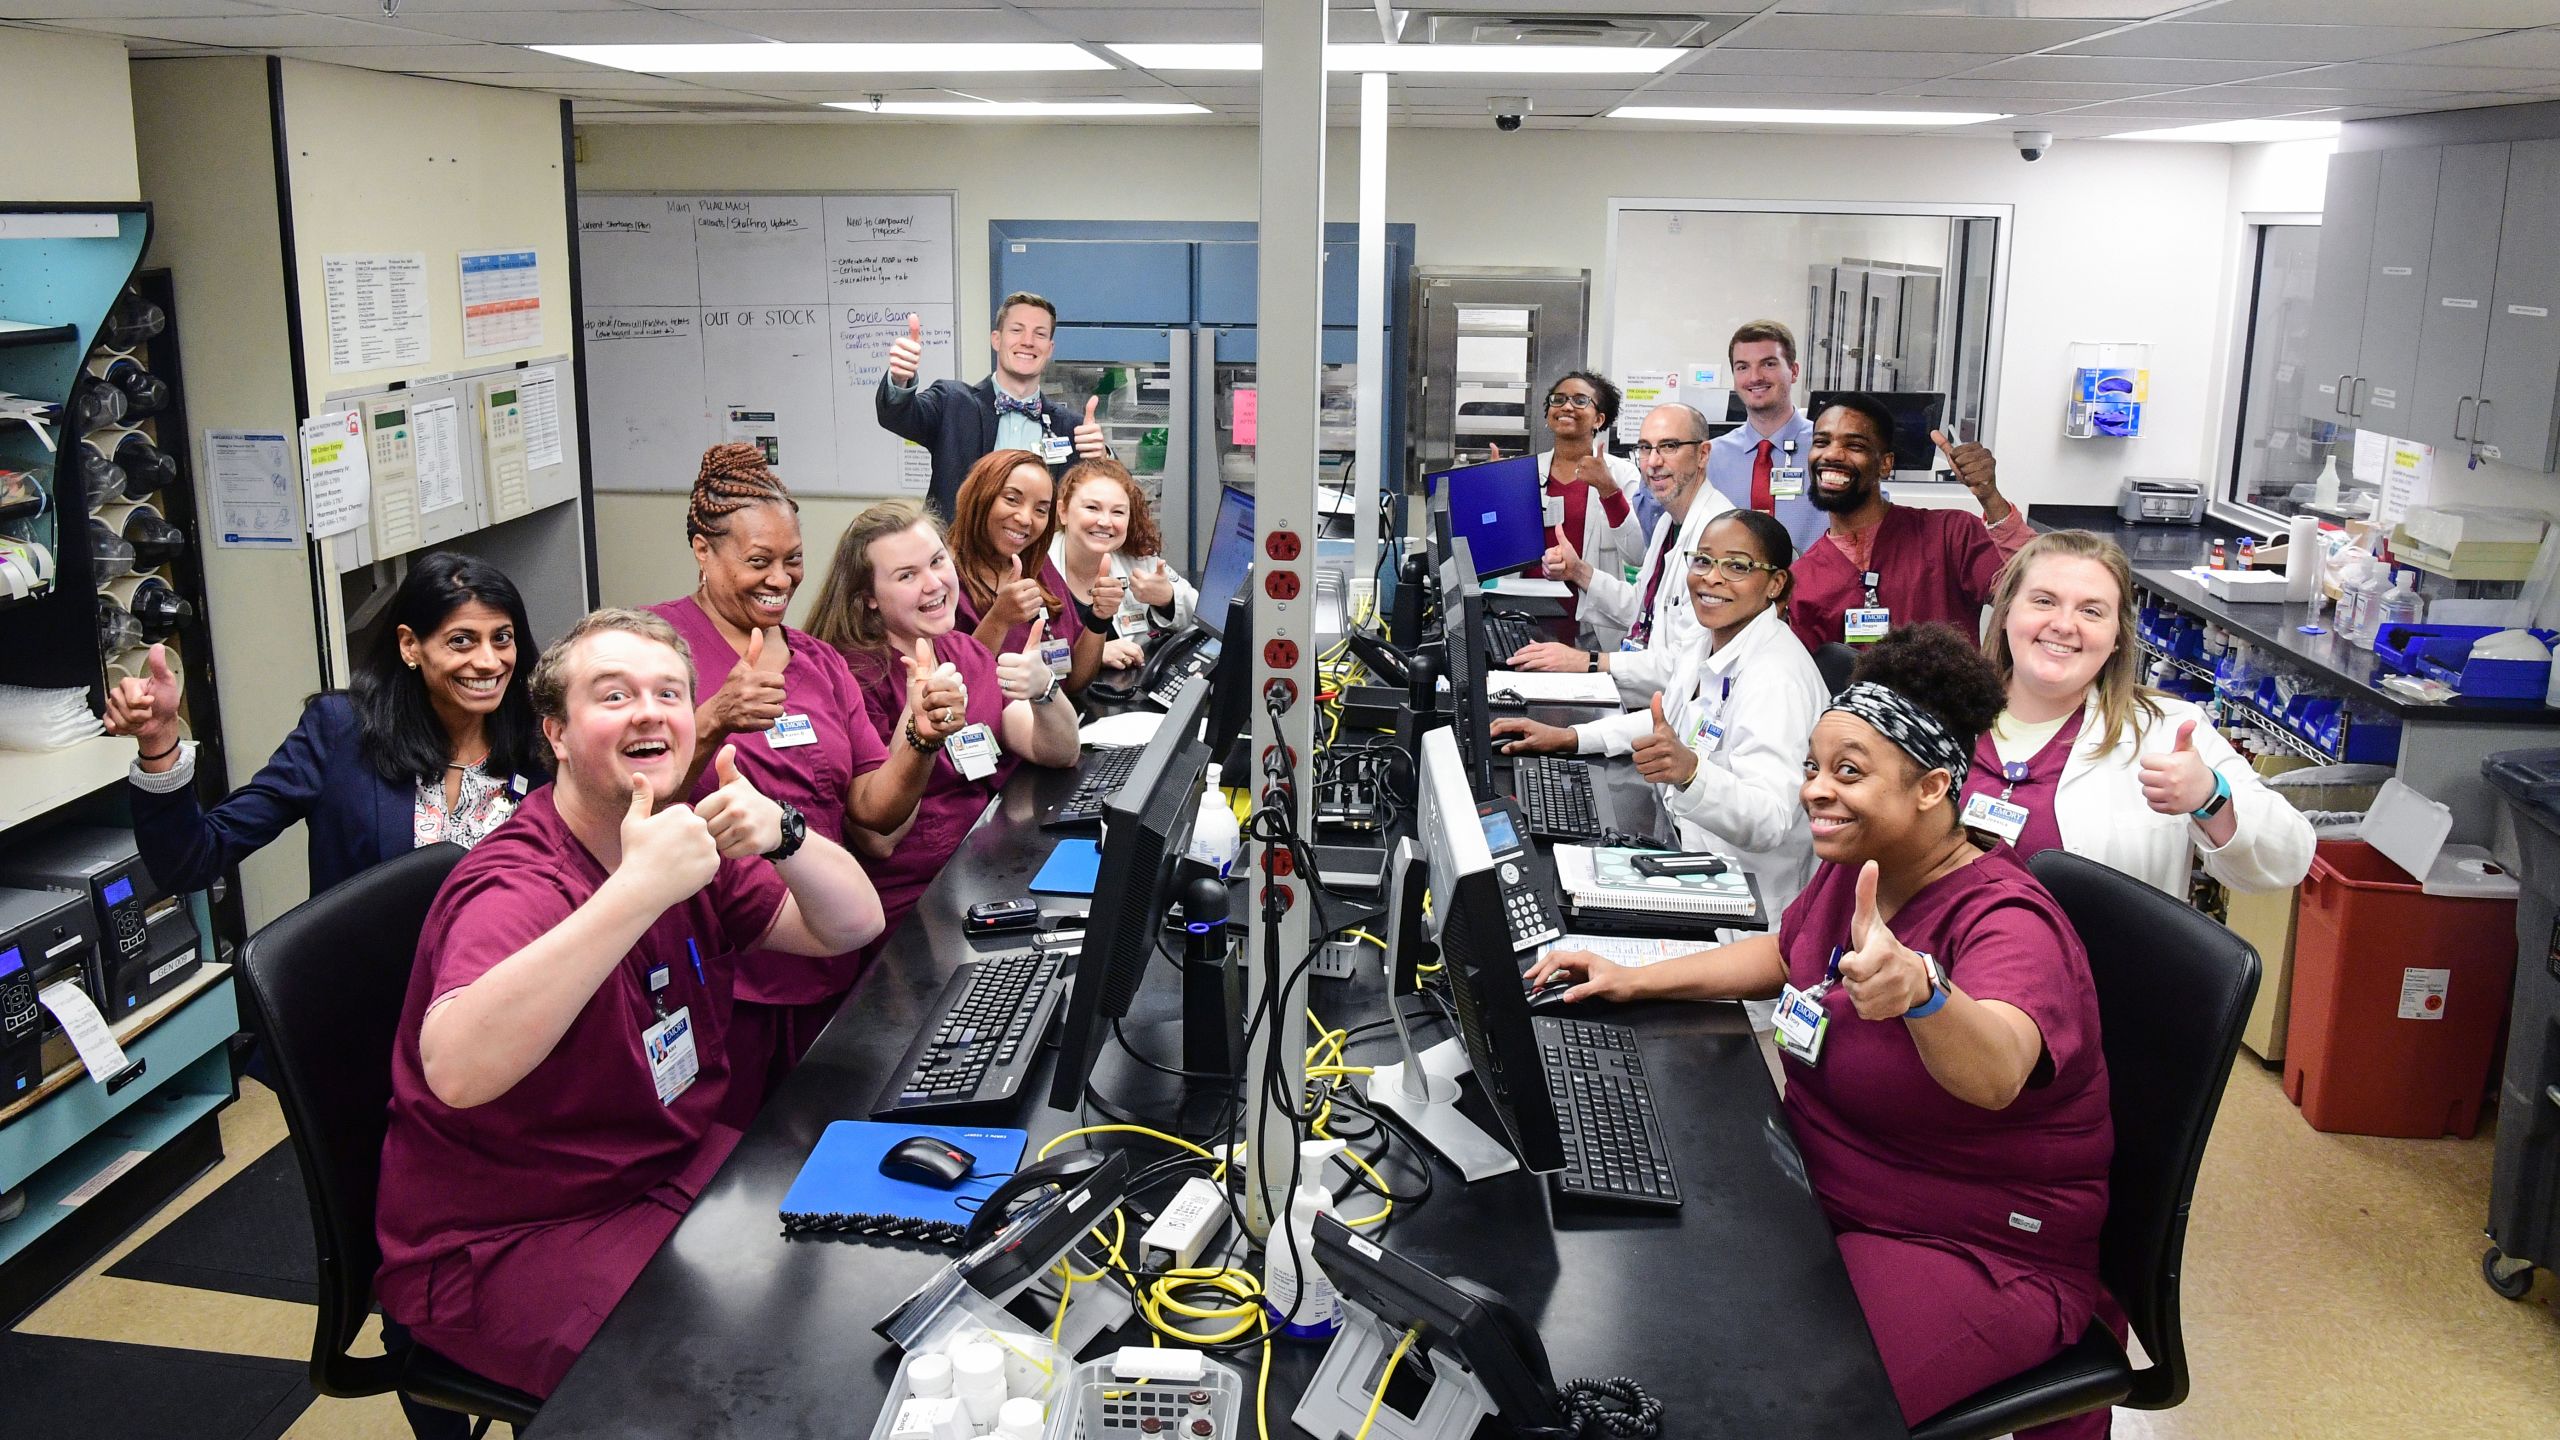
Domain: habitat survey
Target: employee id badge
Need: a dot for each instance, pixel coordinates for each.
(2004, 818)
(791, 730)
(1059, 655)
(1554, 511)
(672, 1062)
(1787, 484)
(1056, 449)
(1802, 1023)
(974, 751)
(1865, 624)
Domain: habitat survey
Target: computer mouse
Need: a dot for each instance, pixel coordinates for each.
(923, 1160)
(1551, 995)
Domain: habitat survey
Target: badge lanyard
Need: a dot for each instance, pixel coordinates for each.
(1871, 580)
(1802, 1020)
(1711, 725)
(1642, 630)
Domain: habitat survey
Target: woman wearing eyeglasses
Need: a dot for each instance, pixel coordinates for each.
(1595, 488)
(1726, 739)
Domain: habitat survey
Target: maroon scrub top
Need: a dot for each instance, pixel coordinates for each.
(2044, 775)
(1065, 624)
(583, 1135)
(1930, 564)
(816, 778)
(951, 803)
(2023, 1191)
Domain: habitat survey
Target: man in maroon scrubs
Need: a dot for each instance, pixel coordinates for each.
(561, 1053)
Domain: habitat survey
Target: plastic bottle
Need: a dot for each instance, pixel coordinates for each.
(2218, 562)
(2324, 491)
(1290, 1280)
(2363, 601)
(2402, 604)
(1215, 836)
(2248, 552)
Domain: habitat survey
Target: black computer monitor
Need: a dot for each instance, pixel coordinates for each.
(1146, 824)
(1499, 507)
(1230, 557)
(1441, 527)
(1471, 928)
(1915, 413)
(1231, 680)
(1462, 633)
(1494, 1342)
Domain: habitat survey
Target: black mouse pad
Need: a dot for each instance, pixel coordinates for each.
(252, 1236)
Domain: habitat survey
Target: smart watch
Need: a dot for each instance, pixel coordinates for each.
(795, 828)
(2221, 798)
(1938, 991)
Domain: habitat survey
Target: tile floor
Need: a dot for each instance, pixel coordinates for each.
(2332, 1291)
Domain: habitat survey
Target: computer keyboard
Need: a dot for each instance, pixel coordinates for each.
(985, 1029)
(1508, 635)
(1555, 796)
(1106, 769)
(1604, 1111)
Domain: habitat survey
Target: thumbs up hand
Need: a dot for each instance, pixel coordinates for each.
(748, 701)
(1017, 597)
(1661, 757)
(907, 352)
(2178, 782)
(1882, 976)
(742, 820)
(1023, 675)
(1974, 465)
(667, 855)
(1563, 562)
(1088, 436)
(1153, 582)
(1593, 470)
(937, 701)
(146, 706)
(1110, 592)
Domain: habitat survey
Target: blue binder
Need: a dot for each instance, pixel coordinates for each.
(840, 1188)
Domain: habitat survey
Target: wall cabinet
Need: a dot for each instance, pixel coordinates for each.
(2337, 307)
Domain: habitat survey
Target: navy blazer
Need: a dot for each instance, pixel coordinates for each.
(957, 424)
(319, 775)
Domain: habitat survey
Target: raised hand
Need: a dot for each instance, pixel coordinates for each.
(1018, 598)
(907, 353)
(1563, 562)
(937, 700)
(1593, 470)
(1088, 436)
(2177, 783)
(1883, 978)
(146, 706)
(1550, 657)
(1531, 737)
(1973, 464)
(1023, 675)
(668, 855)
(743, 821)
(749, 700)
(1153, 582)
(1660, 755)
(1110, 592)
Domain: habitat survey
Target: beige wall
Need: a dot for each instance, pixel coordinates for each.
(47, 79)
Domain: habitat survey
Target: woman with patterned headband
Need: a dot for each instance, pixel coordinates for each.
(1944, 1080)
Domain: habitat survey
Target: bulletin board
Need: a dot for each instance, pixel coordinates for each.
(764, 318)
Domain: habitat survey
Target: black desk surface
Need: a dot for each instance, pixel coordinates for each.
(1736, 1312)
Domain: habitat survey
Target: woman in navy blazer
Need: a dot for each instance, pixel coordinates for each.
(435, 740)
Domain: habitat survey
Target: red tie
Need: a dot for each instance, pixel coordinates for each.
(1761, 498)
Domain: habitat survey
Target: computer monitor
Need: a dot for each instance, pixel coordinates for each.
(1230, 557)
(1915, 414)
(1146, 824)
(1231, 680)
(1493, 1343)
(1441, 530)
(1500, 508)
(1469, 924)
(1462, 633)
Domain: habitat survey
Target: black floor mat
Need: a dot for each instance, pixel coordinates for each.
(103, 1390)
(250, 1237)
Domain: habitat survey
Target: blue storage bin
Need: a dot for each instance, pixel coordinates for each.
(2443, 653)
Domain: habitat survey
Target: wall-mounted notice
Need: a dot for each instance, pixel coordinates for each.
(501, 301)
(761, 317)
(1641, 390)
(337, 483)
(438, 426)
(2404, 480)
(377, 306)
(251, 476)
(541, 395)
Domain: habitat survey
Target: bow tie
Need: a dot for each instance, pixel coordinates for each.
(1014, 405)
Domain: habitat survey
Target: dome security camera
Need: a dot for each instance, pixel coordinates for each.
(2032, 144)
(1508, 111)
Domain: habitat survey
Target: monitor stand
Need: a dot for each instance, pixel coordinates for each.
(1422, 1090)
(1337, 1401)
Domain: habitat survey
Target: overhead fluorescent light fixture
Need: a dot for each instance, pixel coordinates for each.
(865, 58)
(1008, 109)
(1725, 115)
(1417, 59)
(2241, 132)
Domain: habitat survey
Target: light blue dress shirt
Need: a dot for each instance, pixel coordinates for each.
(1729, 462)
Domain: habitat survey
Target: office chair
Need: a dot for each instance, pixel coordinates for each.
(2173, 990)
(325, 983)
(1835, 661)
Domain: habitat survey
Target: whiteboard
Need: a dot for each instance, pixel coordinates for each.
(711, 317)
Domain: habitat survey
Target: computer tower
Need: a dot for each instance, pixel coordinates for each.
(45, 936)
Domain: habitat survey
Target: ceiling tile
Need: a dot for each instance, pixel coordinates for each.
(77, 12)
(1905, 64)
(411, 9)
(2401, 76)
(1185, 25)
(2041, 90)
(263, 31)
(2518, 49)
(1996, 9)
(2108, 68)
(2302, 44)
(451, 57)
(1919, 32)
(1694, 89)
(2184, 109)
(2491, 14)
(828, 26)
(630, 25)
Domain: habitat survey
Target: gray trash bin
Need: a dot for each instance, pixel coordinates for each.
(2524, 1189)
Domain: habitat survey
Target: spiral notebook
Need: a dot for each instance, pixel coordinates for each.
(840, 1189)
(1601, 880)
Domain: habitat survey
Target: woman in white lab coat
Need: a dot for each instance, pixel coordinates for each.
(1725, 741)
(1585, 480)
(2085, 758)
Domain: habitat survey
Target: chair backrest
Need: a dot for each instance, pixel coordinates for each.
(1835, 661)
(326, 981)
(2173, 990)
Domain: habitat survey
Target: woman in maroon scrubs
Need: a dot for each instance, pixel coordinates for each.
(558, 1073)
(1944, 1079)
(801, 734)
(1001, 526)
(891, 606)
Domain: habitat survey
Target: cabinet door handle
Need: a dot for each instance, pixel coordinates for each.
(2457, 417)
(2340, 404)
(2356, 408)
(2480, 423)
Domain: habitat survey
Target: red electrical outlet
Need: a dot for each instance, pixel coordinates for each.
(1281, 694)
(1281, 585)
(1282, 862)
(1287, 896)
(1283, 545)
(1281, 654)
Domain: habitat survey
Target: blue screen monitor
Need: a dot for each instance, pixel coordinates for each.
(1230, 557)
(1499, 509)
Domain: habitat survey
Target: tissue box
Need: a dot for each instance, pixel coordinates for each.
(2245, 586)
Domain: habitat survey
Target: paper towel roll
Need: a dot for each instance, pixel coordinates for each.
(2302, 559)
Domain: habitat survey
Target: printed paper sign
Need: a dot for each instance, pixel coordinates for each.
(2422, 993)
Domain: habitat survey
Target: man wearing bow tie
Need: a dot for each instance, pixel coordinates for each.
(961, 424)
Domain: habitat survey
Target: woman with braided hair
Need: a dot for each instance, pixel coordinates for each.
(786, 702)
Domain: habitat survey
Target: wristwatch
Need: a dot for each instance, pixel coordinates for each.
(1938, 991)
(1045, 696)
(2221, 798)
(795, 828)
(1590, 662)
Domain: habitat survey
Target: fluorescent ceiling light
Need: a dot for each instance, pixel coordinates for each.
(1417, 59)
(837, 59)
(2242, 132)
(1001, 109)
(1721, 115)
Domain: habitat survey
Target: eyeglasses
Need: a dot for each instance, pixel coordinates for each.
(1572, 402)
(1668, 449)
(1733, 567)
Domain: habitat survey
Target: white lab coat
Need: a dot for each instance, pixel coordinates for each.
(1743, 802)
(1186, 596)
(2099, 807)
(1608, 547)
(1611, 600)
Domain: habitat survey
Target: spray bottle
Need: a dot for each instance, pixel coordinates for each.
(1290, 1279)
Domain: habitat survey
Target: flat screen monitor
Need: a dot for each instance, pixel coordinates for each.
(1440, 531)
(1230, 557)
(1493, 1341)
(1915, 414)
(1146, 824)
(1469, 926)
(1500, 508)
(1462, 632)
(1231, 679)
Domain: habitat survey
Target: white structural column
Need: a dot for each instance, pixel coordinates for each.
(1289, 326)
(1370, 440)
